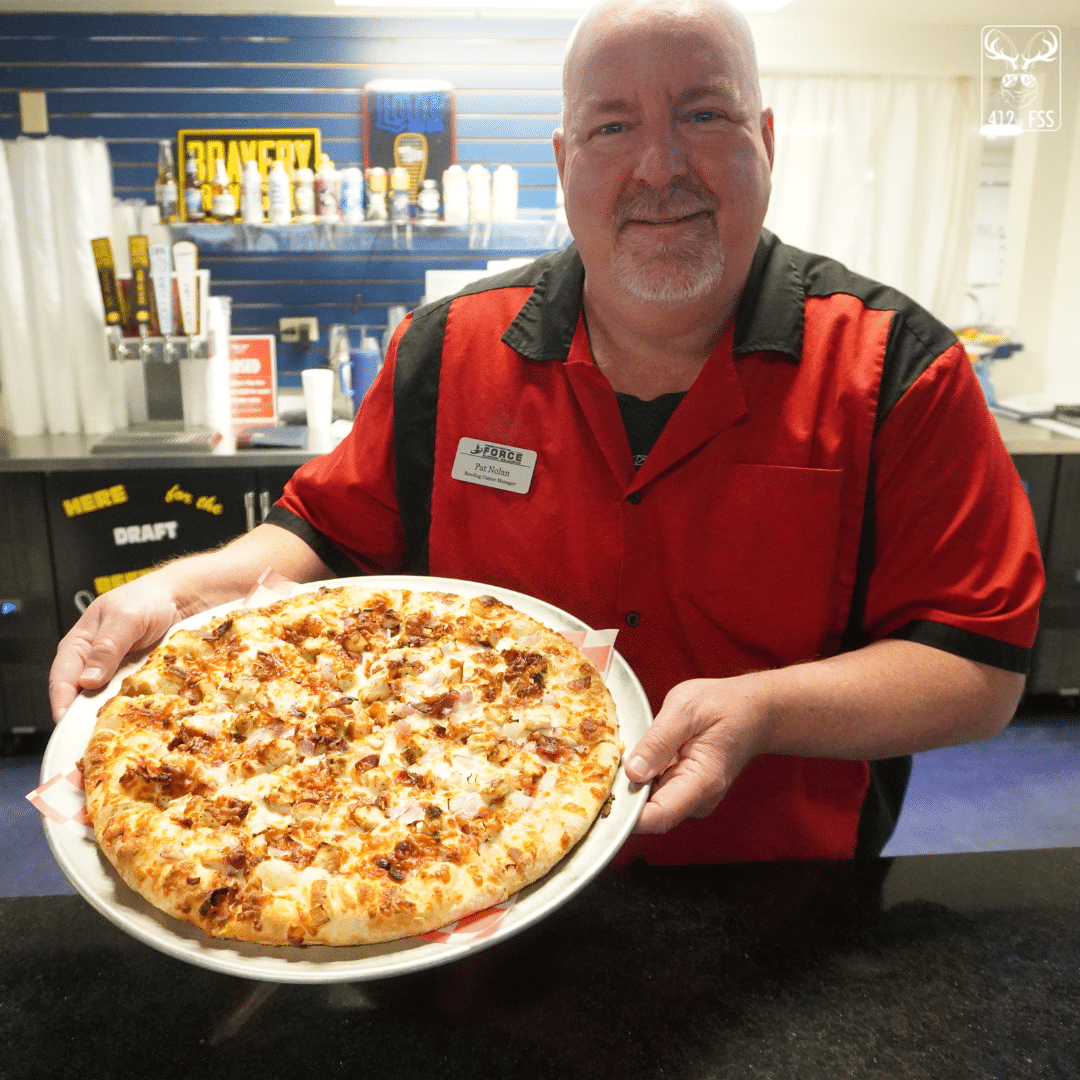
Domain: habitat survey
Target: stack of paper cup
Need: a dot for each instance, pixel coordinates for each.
(319, 403)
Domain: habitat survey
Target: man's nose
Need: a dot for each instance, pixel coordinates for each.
(662, 158)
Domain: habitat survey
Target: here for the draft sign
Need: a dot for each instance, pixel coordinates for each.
(493, 465)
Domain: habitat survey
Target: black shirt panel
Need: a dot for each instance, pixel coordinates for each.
(644, 420)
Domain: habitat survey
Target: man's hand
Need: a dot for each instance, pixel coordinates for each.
(890, 698)
(706, 732)
(120, 621)
(137, 614)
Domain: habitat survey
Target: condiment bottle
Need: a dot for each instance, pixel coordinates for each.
(223, 202)
(251, 194)
(304, 194)
(193, 192)
(327, 192)
(479, 193)
(280, 194)
(376, 195)
(352, 194)
(399, 197)
(165, 191)
(455, 190)
(504, 194)
(427, 202)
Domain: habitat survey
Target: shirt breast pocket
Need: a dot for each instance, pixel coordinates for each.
(766, 567)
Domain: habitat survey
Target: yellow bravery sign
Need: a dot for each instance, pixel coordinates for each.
(298, 148)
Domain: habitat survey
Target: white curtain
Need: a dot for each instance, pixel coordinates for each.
(55, 373)
(880, 173)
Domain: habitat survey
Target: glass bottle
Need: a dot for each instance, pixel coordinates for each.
(165, 189)
(223, 201)
(193, 192)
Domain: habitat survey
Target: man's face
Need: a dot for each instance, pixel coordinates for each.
(665, 160)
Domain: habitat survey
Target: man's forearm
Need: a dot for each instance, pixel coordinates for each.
(892, 697)
(215, 577)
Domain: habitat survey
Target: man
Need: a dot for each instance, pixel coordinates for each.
(778, 479)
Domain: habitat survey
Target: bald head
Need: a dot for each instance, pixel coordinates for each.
(608, 17)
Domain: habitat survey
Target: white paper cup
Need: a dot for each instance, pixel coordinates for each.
(319, 402)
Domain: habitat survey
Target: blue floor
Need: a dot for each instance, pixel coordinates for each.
(1020, 789)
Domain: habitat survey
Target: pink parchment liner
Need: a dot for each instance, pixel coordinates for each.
(62, 798)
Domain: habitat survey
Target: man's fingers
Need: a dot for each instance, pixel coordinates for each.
(675, 725)
(691, 786)
(91, 652)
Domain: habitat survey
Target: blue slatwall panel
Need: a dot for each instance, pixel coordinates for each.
(135, 79)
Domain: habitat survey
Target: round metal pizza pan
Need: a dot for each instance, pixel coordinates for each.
(94, 877)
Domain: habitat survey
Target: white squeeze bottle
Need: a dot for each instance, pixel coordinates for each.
(504, 194)
(251, 194)
(479, 193)
(455, 195)
(304, 194)
(280, 191)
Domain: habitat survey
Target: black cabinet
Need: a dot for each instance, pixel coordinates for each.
(1056, 663)
(28, 624)
(68, 536)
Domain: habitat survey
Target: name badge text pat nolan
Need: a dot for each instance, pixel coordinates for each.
(509, 468)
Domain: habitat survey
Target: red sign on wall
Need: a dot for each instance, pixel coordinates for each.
(253, 381)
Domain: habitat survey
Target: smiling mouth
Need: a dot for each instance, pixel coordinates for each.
(669, 221)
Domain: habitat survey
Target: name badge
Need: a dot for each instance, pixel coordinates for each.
(492, 465)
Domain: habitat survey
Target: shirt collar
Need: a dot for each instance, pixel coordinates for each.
(769, 317)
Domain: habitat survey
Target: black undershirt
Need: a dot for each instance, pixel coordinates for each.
(644, 420)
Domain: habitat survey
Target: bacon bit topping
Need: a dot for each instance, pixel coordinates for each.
(226, 810)
(580, 684)
(366, 763)
(547, 747)
(219, 633)
(295, 710)
(218, 898)
(239, 858)
(605, 810)
(170, 782)
(384, 863)
(190, 740)
(268, 666)
(340, 703)
(440, 705)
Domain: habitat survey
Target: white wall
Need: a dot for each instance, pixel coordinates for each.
(907, 37)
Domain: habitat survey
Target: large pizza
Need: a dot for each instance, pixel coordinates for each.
(350, 765)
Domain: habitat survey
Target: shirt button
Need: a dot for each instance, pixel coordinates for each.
(632, 618)
(634, 497)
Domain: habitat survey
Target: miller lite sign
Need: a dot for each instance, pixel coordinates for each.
(410, 122)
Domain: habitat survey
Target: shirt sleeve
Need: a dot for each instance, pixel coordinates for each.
(344, 504)
(956, 556)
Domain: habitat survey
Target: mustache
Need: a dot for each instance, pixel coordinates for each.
(680, 198)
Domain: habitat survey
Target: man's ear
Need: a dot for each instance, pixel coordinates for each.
(560, 150)
(768, 136)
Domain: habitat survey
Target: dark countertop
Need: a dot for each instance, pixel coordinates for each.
(935, 967)
(54, 453)
(72, 453)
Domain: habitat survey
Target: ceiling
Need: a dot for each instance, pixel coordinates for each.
(911, 12)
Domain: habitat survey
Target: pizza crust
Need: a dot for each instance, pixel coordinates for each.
(350, 766)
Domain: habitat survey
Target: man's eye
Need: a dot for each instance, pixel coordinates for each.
(613, 128)
(703, 116)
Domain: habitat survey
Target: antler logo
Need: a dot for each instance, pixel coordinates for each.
(1021, 101)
